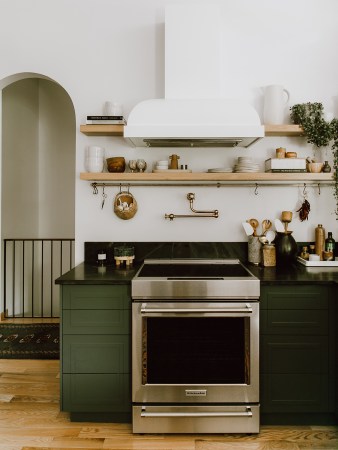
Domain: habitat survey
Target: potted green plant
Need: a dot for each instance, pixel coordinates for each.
(319, 132)
(310, 116)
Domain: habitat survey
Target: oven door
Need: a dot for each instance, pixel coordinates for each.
(195, 352)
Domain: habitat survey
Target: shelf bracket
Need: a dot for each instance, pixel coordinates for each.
(191, 198)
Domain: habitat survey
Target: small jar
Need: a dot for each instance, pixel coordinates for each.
(312, 249)
(269, 255)
(280, 152)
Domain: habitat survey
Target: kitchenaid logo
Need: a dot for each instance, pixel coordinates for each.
(195, 392)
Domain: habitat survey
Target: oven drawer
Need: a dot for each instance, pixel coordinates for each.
(196, 419)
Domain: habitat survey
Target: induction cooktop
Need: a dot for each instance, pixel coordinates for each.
(193, 269)
(194, 278)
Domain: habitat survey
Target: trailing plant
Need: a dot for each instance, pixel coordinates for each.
(334, 130)
(310, 116)
(319, 132)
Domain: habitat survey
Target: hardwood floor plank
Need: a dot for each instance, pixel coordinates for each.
(30, 419)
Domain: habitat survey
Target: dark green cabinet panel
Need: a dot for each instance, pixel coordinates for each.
(294, 393)
(296, 350)
(96, 297)
(286, 297)
(96, 393)
(96, 354)
(85, 321)
(296, 321)
(294, 354)
(95, 357)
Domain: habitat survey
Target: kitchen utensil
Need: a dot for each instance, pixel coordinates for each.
(286, 219)
(254, 223)
(248, 228)
(266, 225)
(270, 236)
(279, 226)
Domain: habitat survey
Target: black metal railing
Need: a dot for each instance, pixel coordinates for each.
(30, 269)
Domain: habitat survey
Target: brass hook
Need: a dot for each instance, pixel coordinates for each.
(318, 188)
(304, 191)
(95, 190)
(256, 189)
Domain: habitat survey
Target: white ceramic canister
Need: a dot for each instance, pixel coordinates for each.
(94, 161)
(276, 98)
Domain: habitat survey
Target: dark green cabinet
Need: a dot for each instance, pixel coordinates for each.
(96, 369)
(296, 354)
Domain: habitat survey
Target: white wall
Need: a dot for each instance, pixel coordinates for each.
(113, 50)
(20, 154)
(38, 161)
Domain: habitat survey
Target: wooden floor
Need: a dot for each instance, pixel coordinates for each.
(30, 419)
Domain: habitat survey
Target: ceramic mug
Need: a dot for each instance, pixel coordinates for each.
(275, 100)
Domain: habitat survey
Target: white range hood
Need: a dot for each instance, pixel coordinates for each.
(193, 114)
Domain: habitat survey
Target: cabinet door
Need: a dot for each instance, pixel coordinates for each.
(100, 321)
(96, 393)
(96, 354)
(95, 297)
(295, 349)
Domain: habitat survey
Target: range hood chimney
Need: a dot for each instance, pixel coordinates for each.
(193, 113)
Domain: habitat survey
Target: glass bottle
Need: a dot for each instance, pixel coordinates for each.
(330, 243)
(101, 258)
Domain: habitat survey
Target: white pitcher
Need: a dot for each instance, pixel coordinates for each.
(276, 98)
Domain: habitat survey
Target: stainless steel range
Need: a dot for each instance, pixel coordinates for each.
(195, 347)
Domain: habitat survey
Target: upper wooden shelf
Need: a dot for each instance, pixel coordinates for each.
(209, 177)
(283, 130)
(117, 130)
(102, 130)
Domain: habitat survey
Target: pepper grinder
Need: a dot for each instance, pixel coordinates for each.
(174, 161)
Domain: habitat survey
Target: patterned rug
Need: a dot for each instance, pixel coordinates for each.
(31, 341)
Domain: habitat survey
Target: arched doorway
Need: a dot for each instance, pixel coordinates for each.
(37, 192)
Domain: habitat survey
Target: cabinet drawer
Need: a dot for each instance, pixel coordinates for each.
(294, 297)
(294, 393)
(294, 321)
(294, 354)
(96, 393)
(112, 321)
(96, 297)
(95, 354)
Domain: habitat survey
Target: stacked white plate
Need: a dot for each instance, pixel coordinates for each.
(220, 170)
(246, 164)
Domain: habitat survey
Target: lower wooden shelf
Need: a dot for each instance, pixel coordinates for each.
(231, 178)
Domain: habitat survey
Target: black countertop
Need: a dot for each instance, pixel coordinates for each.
(295, 273)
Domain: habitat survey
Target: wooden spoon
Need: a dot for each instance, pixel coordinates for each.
(266, 225)
(254, 223)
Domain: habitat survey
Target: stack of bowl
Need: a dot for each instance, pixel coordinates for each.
(162, 165)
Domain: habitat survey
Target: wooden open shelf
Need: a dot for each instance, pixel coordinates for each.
(117, 130)
(283, 130)
(102, 130)
(231, 178)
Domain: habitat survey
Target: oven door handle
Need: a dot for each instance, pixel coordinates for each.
(149, 310)
(247, 413)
